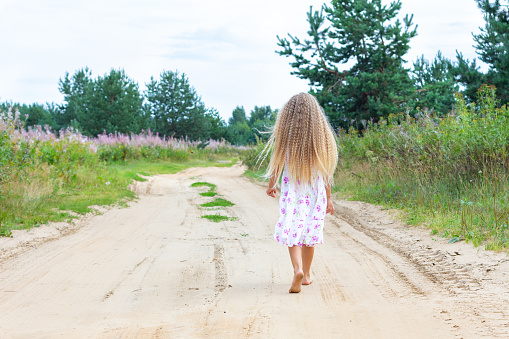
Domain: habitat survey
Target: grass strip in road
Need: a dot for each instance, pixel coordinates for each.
(47, 199)
(212, 187)
(208, 194)
(219, 202)
(217, 217)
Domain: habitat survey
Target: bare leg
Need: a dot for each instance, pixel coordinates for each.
(307, 259)
(296, 256)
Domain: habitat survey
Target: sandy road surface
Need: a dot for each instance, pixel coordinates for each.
(158, 270)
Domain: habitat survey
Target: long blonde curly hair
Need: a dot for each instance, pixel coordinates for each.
(302, 140)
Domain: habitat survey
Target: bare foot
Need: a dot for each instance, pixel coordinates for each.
(297, 282)
(307, 280)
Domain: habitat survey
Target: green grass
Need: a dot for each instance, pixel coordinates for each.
(449, 173)
(211, 187)
(102, 184)
(255, 174)
(208, 194)
(219, 202)
(131, 169)
(217, 217)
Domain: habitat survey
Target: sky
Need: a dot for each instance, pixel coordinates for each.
(226, 48)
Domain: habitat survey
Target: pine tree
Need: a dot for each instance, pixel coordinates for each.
(114, 106)
(176, 108)
(435, 84)
(111, 103)
(493, 45)
(239, 131)
(366, 35)
(75, 89)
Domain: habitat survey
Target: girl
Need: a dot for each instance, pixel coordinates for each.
(304, 154)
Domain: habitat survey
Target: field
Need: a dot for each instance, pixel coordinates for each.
(46, 176)
(447, 173)
(194, 256)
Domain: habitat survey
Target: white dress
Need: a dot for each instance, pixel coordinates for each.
(301, 212)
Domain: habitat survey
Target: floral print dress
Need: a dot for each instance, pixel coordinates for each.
(301, 212)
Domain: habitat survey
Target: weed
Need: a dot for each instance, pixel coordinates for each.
(217, 217)
(208, 194)
(448, 173)
(43, 174)
(219, 202)
(212, 187)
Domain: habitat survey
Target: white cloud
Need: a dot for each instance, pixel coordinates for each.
(226, 47)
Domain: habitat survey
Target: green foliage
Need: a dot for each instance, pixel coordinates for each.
(212, 187)
(493, 49)
(218, 128)
(177, 109)
(251, 159)
(239, 133)
(261, 120)
(449, 172)
(217, 217)
(208, 194)
(238, 115)
(44, 178)
(35, 114)
(493, 45)
(435, 84)
(122, 152)
(468, 74)
(111, 103)
(366, 34)
(218, 202)
(243, 131)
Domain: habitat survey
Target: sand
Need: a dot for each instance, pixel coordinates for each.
(158, 270)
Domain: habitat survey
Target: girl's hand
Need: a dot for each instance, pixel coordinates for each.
(330, 207)
(271, 192)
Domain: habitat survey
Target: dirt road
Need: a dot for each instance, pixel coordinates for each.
(158, 270)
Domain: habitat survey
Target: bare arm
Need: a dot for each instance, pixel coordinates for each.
(271, 191)
(330, 206)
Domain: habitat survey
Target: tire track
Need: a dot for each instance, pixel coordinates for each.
(466, 294)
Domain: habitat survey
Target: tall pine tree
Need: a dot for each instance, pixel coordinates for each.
(111, 103)
(362, 34)
(176, 108)
(435, 84)
(493, 49)
(493, 45)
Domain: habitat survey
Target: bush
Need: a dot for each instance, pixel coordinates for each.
(449, 172)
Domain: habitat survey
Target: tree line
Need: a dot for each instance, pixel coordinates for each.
(169, 106)
(371, 37)
(366, 35)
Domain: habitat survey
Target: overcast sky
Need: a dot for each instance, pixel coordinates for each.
(226, 47)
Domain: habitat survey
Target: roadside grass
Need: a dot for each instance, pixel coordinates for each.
(449, 174)
(218, 217)
(255, 175)
(472, 210)
(218, 202)
(48, 199)
(131, 169)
